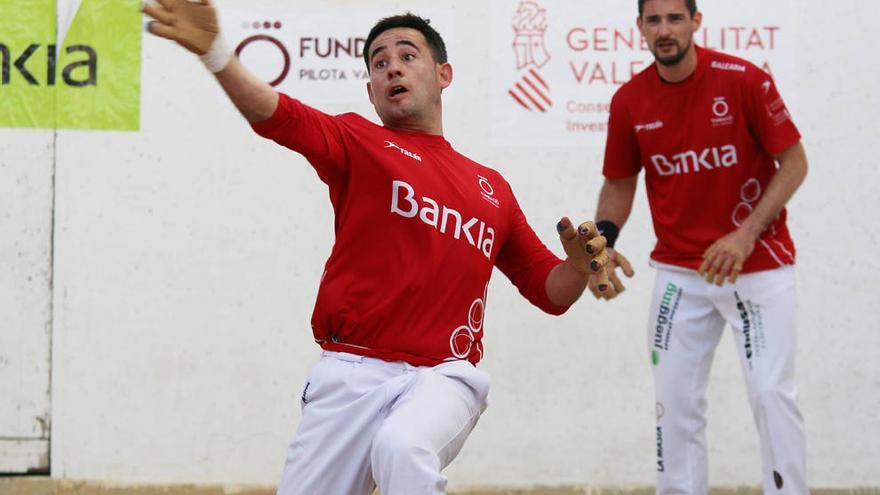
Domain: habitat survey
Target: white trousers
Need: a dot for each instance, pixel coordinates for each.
(368, 422)
(686, 322)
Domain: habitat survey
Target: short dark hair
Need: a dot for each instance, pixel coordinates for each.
(412, 21)
(691, 6)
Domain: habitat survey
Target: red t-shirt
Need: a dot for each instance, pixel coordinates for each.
(418, 229)
(707, 147)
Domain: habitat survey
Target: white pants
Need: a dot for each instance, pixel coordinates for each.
(685, 324)
(369, 422)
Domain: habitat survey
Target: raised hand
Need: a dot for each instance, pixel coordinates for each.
(585, 247)
(615, 286)
(192, 24)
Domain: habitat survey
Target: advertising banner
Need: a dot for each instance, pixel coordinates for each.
(315, 56)
(557, 63)
(71, 64)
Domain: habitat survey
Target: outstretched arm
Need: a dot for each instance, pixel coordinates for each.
(194, 26)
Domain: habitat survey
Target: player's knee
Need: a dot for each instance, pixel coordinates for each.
(772, 396)
(393, 447)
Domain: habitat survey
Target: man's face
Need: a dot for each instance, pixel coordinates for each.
(668, 27)
(405, 81)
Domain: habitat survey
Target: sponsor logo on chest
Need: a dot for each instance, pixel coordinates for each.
(403, 151)
(406, 203)
(692, 161)
(487, 192)
(721, 112)
(652, 126)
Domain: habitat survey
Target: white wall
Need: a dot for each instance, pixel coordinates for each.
(25, 297)
(187, 259)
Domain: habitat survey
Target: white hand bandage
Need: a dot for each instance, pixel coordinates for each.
(218, 56)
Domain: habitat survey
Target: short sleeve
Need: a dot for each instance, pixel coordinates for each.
(527, 262)
(769, 119)
(319, 137)
(622, 157)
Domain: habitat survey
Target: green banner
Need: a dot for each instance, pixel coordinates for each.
(90, 79)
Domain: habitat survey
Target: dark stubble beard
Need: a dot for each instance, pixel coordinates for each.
(673, 59)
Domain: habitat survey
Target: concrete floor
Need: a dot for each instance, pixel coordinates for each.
(28, 485)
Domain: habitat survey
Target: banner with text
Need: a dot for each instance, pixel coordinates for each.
(70, 64)
(313, 56)
(557, 63)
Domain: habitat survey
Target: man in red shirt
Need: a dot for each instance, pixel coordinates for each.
(419, 228)
(709, 130)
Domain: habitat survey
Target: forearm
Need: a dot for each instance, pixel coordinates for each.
(791, 173)
(616, 200)
(615, 205)
(255, 99)
(565, 283)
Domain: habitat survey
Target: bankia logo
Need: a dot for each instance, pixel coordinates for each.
(531, 91)
(447, 220)
(63, 68)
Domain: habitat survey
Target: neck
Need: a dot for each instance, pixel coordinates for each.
(428, 124)
(682, 70)
(435, 128)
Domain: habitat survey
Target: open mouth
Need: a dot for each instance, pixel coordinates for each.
(665, 45)
(397, 90)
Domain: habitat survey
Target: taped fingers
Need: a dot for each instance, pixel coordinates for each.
(601, 278)
(594, 290)
(596, 244)
(572, 243)
(599, 261)
(588, 230)
(566, 229)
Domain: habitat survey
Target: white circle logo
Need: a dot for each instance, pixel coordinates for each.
(485, 186)
(720, 108)
(750, 191)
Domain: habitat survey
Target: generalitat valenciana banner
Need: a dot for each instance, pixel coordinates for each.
(557, 63)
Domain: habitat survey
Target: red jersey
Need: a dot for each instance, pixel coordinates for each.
(707, 146)
(418, 229)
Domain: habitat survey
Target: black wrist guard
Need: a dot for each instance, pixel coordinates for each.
(610, 230)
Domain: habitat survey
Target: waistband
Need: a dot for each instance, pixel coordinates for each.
(356, 358)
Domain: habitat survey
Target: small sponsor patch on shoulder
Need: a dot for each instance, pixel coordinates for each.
(728, 66)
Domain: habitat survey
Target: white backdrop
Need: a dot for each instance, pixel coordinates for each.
(187, 257)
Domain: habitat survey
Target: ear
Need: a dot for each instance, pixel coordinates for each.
(698, 21)
(640, 25)
(370, 92)
(444, 74)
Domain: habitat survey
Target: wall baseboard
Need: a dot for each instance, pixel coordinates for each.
(30, 485)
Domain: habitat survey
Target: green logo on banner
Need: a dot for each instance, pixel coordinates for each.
(70, 64)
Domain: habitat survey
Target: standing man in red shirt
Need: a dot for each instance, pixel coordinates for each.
(419, 227)
(721, 159)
